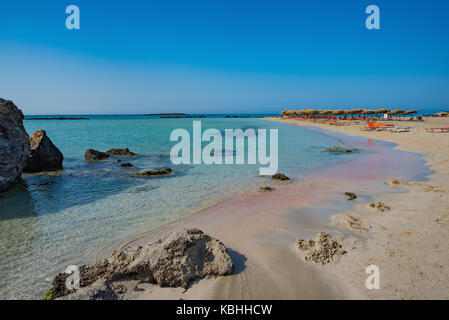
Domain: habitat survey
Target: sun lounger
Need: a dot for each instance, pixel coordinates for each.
(434, 130)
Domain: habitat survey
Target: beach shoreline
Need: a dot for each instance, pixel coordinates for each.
(269, 232)
(410, 242)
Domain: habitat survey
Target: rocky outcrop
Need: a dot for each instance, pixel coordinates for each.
(174, 261)
(120, 152)
(93, 155)
(14, 145)
(44, 156)
(321, 250)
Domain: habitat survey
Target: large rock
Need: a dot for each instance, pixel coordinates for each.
(93, 155)
(174, 261)
(14, 146)
(45, 156)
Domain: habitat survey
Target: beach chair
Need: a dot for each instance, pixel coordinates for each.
(378, 126)
(435, 130)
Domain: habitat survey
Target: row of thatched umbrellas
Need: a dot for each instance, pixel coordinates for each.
(309, 112)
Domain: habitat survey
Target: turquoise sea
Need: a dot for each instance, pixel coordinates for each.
(79, 215)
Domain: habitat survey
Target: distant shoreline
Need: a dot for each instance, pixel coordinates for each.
(56, 118)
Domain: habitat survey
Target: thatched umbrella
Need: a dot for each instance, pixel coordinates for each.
(396, 112)
(339, 112)
(410, 112)
(368, 112)
(354, 111)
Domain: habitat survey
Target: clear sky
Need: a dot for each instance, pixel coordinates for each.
(223, 56)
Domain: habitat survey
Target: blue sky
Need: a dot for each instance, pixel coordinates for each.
(223, 56)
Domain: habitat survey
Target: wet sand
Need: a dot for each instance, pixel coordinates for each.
(260, 228)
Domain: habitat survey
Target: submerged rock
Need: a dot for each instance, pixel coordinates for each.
(379, 206)
(153, 172)
(93, 155)
(280, 177)
(14, 144)
(350, 195)
(126, 165)
(174, 261)
(321, 250)
(266, 188)
(339, 150)
(45, 156)
(120, 152)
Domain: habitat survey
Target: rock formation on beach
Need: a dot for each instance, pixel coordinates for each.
(44, 156)
(14, 145)
(382, 207)
(93, 155)
(174, 261)
(120, 152)
(350, 222)
(321, 250)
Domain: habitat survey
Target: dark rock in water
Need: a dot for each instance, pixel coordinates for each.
(14, 144)
(126, 165)
(280, 176)
(339, 150)
(174, 261)
(120, 152)
(45, 156)
(152, 172)
(94, 155)
(350, 195)
(266, 188)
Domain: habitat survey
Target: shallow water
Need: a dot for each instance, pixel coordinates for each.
(82, 213)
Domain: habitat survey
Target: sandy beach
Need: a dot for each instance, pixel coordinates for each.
(408, 242)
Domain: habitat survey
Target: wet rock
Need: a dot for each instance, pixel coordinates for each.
(14, 144)
(266, 188)
(153, 172)
(44, 156)
(321, 250)
(93, 155)
(280, 177)
(379, 206)
(120, 152)
(126, 165)
(350, 195)
(174, 261)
